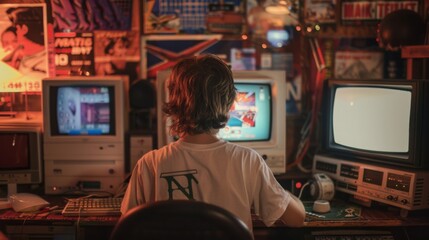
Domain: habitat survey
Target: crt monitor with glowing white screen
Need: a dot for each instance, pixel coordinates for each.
(385, 132)
(257, 117)
(379, 121)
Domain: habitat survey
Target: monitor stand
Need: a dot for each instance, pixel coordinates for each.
(4, 202)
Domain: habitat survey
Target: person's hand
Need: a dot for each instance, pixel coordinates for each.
(4, 52)
(17, 56)
(12, 56)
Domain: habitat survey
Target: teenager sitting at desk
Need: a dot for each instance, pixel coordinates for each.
(201, 167)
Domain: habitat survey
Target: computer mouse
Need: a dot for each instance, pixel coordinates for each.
(27, 202)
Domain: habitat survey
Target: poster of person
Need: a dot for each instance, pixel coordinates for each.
(89, 15)
(359, 64)
(117, 53)
(23, 49)
(74, 53)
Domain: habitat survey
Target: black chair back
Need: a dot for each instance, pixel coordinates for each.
(180, 219)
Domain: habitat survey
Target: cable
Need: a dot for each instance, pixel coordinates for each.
(23, 224)
(302, 189)
(303, 169)
(309, 126)
(78, 224)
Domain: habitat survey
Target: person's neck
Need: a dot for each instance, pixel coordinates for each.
(203, 138)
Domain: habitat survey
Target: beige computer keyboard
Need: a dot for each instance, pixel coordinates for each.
(93, 207)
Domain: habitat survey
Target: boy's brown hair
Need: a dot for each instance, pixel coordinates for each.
(201, 93)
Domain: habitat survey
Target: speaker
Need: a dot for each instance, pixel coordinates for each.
(322, 187)
(142, 95)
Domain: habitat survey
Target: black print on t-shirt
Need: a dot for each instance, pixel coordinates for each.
(174, 183)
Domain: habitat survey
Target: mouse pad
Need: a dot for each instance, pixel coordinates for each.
(340, 210)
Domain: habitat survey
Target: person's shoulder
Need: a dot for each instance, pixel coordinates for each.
(159, 151)
(245, 150)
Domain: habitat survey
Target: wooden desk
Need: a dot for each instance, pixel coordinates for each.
(371, 220)
(55, 226)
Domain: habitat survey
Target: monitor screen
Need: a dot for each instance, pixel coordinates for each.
(372, 118)
(15, 152)
(278, 37)
(20, 158)
(83, 110)
(379, 121)
(250, 115)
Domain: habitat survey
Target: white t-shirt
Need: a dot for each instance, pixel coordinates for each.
(222, 173)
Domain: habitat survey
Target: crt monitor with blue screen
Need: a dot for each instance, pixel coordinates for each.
(250, 115)
(257, 118)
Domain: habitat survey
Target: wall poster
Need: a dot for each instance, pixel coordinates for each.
(89, 15)
(160, 52)
(23, 50)
(74, 53)
(319, 11)
(359, 64)
(372, 11)
(117, 53)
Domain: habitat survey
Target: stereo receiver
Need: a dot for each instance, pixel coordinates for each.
(403, 188)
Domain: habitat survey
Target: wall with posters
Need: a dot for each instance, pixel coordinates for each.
(138, 38)
(59, 38)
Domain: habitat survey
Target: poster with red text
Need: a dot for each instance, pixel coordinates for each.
(372, 11)
(74, 53)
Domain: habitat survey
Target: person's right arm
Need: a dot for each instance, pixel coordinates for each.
(294, 214)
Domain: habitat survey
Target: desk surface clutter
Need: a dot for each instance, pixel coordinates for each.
(340, 210)
(342, 214)
(367, 219)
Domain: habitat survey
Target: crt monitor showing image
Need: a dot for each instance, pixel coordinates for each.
(250, 114)
(84, 110)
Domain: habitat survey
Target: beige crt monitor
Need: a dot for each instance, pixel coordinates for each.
(271, 147)
(84, 124)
